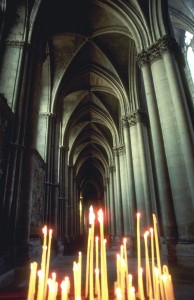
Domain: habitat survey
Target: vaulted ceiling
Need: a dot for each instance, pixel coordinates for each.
(92, 53)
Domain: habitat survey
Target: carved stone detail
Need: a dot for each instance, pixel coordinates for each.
(137, 116)
(47, 115)
(16, 44)
(112, 169)
(107, 180)
(119, 150)
(143, 58)
(125, 122)
(154, 52)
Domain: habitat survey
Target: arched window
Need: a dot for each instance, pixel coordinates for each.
(189, 47)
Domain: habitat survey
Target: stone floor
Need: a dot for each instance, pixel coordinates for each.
(183, 280)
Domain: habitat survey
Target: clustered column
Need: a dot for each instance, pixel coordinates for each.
(118, 198)
(172, 137)
(130, 177)
(164, 202)
(141, 166)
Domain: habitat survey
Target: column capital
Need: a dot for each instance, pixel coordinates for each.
(107, 180)
(167, 43)
(137, 116)
(47, 115)
(125, 122)
(143, 58)
(119, 150)
(63, 148)
(111, 168)
(16, 43)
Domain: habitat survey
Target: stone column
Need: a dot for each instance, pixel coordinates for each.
(124, 190)
(171, 119)
(118, 199)
(18, 176)
(166, 215)
(61, 191)
(66, 217)
(139, 118)
(167, 45)
(130, 177)
(112, 202)
(138, 179)
(108, 205)
(70, 201)
(50, 184)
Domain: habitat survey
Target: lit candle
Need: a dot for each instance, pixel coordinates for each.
(80, 271)
(47, 262)
(156, 282)
(153, 259)
(138, 242)
(53, 287)
(75, 276)
(138, 251)
(129, 286)
(87, 263)
(32, 282)
(126, 262)
(118, 293)
(97, 268)
(132, 293)
(140, 280)
(91, 259)
(123, 268)
(65, 287)
(104, 285)
(157, 244)
(147, 267)
(40, 285)
(41, 277)
(96, 239)
(118, 270)
(97, 284)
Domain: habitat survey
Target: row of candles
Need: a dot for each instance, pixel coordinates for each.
(154, 284)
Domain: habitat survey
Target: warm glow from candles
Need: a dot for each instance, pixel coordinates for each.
(158, 280)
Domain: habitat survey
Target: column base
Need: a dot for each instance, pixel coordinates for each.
(178, 253)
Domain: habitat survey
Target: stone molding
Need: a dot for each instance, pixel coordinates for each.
(16, 44)
(120, 150)
(55, 184)
(165, 44)
(63, 148)
(137, 116)
(107, 180)
(47, 115)
(125, 122)
(112, 169)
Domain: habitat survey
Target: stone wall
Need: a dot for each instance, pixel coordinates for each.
(37, 194)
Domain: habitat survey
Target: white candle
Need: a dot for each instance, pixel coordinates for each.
(47, 263)
(32, 282)
(87, 263)
(91, 259)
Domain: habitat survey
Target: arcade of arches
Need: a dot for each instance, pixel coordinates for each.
(96, 108)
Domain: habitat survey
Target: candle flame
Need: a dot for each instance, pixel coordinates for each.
(100, 216)
(138, 215)
(44, 230)
(91, 215)
(124, 240)
(132, 290)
